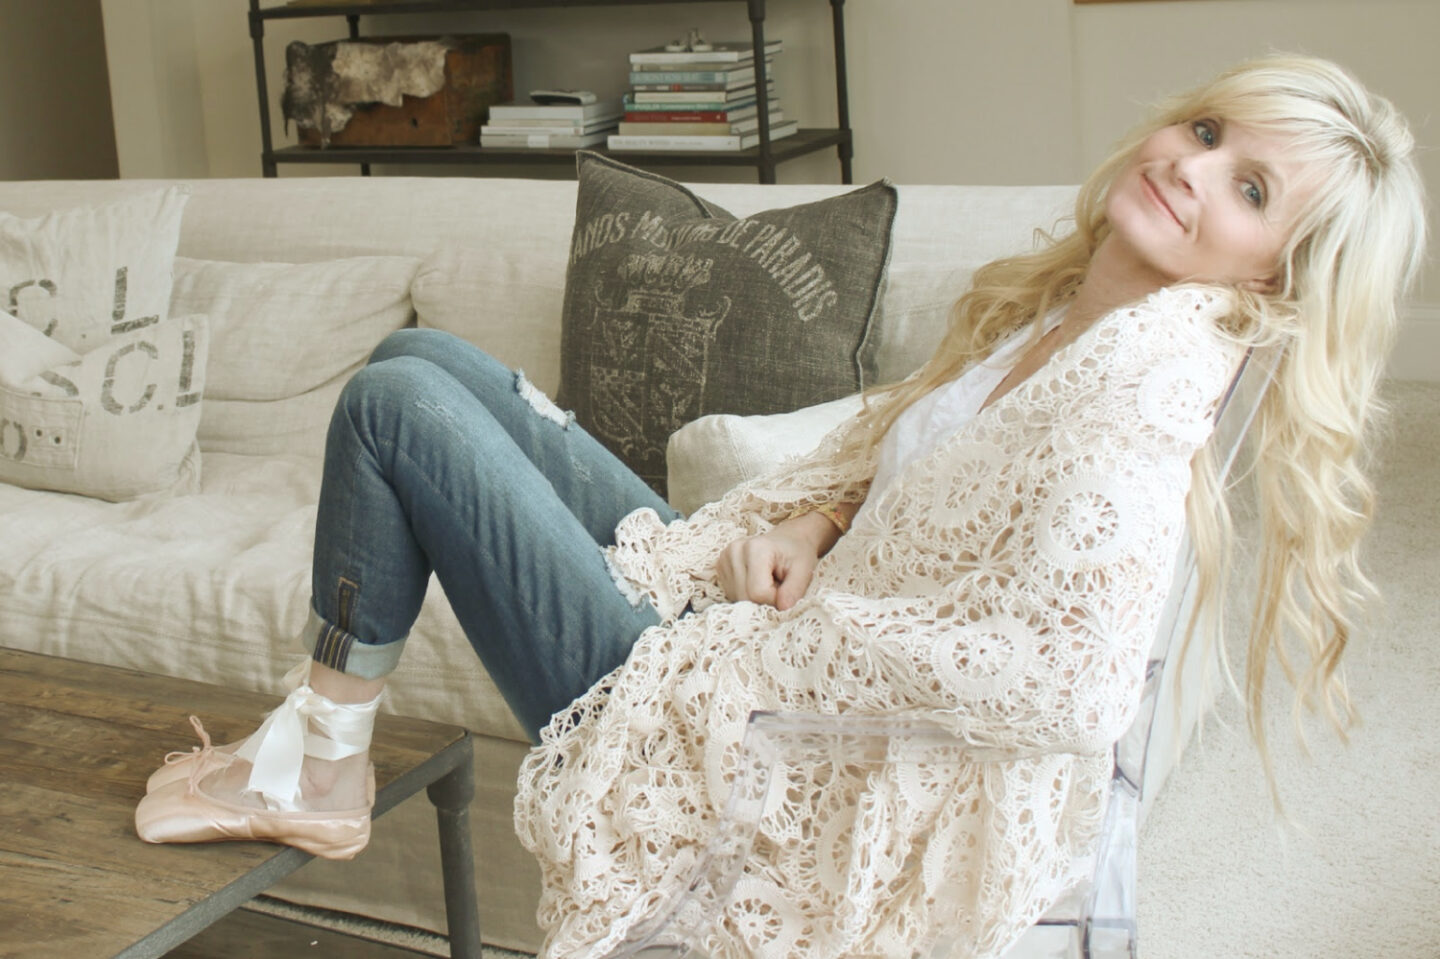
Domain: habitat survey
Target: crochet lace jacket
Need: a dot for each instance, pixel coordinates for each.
(1007, 585)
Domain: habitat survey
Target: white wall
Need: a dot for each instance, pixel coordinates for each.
(941, 91)
(54, 92)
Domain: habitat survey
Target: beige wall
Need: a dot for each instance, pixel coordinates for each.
(54, 92)
(941, 91)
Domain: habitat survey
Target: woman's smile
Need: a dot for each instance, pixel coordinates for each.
(1159, 198)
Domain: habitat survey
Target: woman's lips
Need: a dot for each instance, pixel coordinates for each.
(1159, 200)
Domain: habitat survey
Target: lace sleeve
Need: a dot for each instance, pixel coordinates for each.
(673, 565)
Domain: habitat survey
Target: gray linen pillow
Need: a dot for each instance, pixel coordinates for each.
(675, 309)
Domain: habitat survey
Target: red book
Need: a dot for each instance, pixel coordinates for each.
(667, 116)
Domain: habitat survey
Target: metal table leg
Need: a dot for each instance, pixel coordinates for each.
(451, 795)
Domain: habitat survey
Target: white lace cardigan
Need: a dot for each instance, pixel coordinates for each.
(1008, 584)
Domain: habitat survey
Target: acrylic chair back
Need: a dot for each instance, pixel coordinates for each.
(1097, 920)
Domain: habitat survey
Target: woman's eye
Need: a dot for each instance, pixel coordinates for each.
(1252, 193)
(1205, 133)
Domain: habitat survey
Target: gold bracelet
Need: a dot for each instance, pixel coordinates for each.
(828, 510)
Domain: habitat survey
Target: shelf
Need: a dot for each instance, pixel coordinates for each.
(340, 9)
(764, 161)
(803, 142)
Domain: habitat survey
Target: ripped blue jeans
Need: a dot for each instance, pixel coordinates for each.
(439, 458)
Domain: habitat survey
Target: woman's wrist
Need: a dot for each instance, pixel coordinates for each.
(824, 524)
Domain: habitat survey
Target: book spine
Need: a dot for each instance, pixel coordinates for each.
(677, 116)
(722, 97)
(541, 141)
(707, 106)
(558, 114)
(747, 62)
(712, 56)
(717, 77)
(676, 87)
(588, 113)
(688, 129)
(663, 112)
(619, 142)
(500, 129)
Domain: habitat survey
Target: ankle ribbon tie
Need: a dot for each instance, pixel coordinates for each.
(277, 750)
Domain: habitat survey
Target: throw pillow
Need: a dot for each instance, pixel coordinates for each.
(675, 309)
(287, 336)
(115, 422)
(99, 388)
(705, 458)
(83, 276)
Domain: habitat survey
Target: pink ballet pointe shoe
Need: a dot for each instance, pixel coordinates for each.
(193, 799)
(185, 812)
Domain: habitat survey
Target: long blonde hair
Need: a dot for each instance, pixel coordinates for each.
(1353, 253)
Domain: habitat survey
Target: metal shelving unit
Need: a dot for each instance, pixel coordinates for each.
(764, 157)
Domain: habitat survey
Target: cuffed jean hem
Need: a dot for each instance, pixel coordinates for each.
(329, 645)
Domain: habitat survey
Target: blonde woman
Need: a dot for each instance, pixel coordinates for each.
(988, 543)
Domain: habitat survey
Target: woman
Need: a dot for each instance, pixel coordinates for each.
(983, 543)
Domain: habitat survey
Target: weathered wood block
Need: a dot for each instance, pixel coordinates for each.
(364, 96)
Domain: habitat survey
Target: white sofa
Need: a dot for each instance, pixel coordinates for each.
(214, 585)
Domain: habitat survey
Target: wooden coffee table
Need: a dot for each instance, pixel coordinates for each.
(77, 742)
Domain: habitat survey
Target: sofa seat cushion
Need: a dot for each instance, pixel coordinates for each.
(213, 586)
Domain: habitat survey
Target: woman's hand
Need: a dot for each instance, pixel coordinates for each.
(775, 568)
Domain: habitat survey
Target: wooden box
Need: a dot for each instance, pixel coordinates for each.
(477, 74)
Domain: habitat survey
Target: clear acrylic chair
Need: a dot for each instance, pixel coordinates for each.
(1096, 919)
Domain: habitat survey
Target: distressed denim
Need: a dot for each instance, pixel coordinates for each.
(441, 459)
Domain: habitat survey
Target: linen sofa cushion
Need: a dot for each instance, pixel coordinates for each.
(99, 389)
(287, 336)
(674, 308)
(504, 300)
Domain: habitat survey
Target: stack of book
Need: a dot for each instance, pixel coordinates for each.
(703, 99)
(564, 126)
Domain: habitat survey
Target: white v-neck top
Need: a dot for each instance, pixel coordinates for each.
(945, 409)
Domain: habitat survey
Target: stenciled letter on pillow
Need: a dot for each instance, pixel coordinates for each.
(675, 309)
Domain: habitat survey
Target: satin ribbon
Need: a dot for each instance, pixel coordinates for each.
(277, 750)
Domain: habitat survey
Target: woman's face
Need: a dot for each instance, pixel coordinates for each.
(1207, 200)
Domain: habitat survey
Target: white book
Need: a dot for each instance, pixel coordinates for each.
(620, 143)
(722, 97)
(560, 112)
(554, 125)
(541, 141)
(718, 53)
(517, 129)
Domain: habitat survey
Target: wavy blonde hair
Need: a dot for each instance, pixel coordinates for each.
(1333, 316)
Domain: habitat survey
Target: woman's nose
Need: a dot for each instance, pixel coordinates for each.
(1190, 169)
